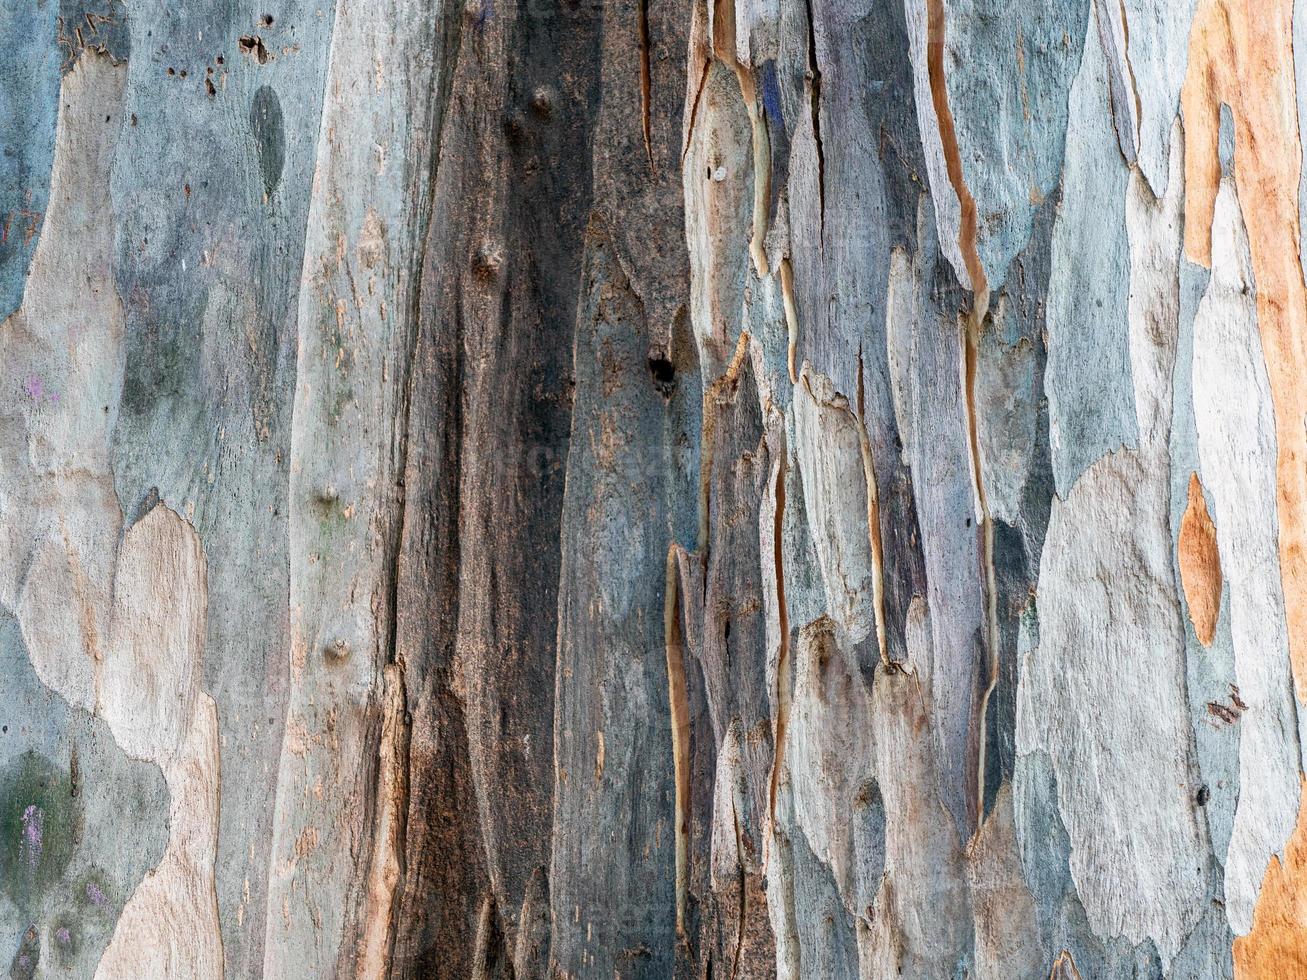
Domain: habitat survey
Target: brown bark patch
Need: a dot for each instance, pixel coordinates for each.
(1064, 967)
(1277, 945)
(1200, 564)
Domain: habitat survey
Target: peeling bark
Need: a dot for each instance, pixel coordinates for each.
(661, 488)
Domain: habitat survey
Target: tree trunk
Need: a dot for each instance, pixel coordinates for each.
(652, 488)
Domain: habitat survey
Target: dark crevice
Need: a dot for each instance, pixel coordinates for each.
(814, 94)
(663, 372)
(646, 85)
(694, 109)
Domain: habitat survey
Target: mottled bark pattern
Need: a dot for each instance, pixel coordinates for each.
(653, 488)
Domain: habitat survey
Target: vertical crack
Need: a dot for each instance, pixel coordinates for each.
(761, 168)
(646, 85)
(694, 108)
(814, 96)
(678, 701)
(971, 344)
(783, 683)
(791, 317)
(742, 880)
(1130, 73)
(967, 233)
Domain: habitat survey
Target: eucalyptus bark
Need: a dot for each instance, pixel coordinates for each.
(652, 488)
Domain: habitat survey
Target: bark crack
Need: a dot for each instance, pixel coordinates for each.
(646, 86)
(948, 137)
(678, 702)
(791, 317)
(783, 687)
(814, 97)
(967, 237)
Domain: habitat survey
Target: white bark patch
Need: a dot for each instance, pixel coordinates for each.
(922, 910)
(1236, 445)
(157, 711)
(1007, 937)
(1103, 693)
(829, 453)
(1156, 43)
(717, 177)
(827, 758)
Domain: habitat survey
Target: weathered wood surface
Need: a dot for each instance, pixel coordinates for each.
(653, 488)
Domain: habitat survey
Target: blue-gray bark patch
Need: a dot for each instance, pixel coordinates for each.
(80, 822)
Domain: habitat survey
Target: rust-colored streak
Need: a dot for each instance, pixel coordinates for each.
(1064, 967)
(967, 232)
(948, 137)
(1276, 948)
(1200, 564)
(1241, 53)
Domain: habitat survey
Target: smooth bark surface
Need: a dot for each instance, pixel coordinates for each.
(653, 488)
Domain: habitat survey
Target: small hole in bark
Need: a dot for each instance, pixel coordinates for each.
(1204, 794)
(664, 375)
(252, 45)
(266, 20)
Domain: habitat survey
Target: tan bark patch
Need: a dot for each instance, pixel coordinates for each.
(1064, 968)
(1277, 945)
(1200, 564)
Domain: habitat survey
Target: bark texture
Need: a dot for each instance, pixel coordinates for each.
(653, 489)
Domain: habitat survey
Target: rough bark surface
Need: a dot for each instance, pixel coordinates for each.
(653, 488)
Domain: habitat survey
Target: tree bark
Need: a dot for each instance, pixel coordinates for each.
(653, 488)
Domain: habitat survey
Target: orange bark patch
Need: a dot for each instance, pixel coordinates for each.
(1277, 946)
(948, 138)
(1064, 968)
(1241, 53)
(1200, 564)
